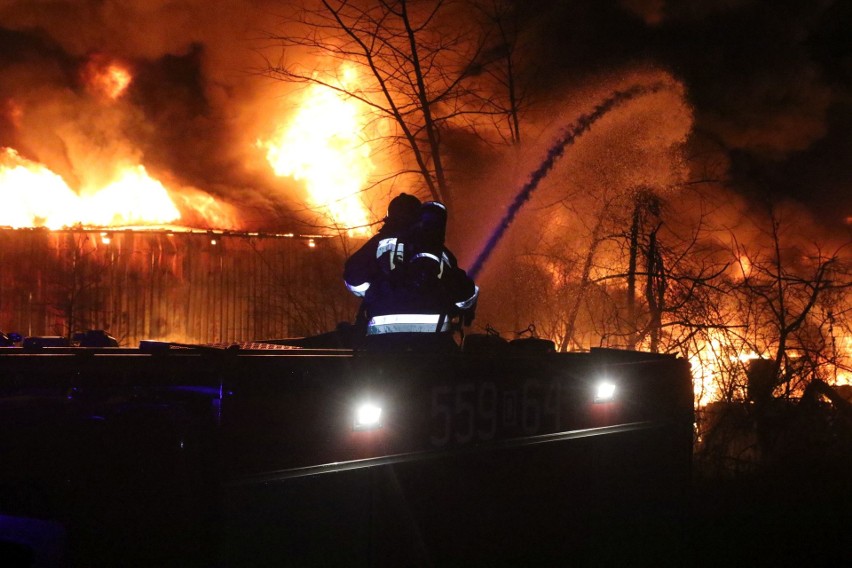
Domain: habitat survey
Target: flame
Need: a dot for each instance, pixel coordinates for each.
(106, 77)
(843, 376)
(213, 213)
(323, 145)
(713, 358)
(34, 196)
(716, 356)
(115, 191)
(133, 198)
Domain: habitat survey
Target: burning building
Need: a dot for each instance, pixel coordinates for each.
(172, 284)
(104, 146)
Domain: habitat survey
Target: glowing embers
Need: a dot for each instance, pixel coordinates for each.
(323, 145)
(368, 416)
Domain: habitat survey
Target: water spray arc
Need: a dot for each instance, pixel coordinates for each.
(570, 134)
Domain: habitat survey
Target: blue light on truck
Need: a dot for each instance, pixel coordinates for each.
(368, 416)
(605, 391)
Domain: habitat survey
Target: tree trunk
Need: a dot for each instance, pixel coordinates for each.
(633, 252)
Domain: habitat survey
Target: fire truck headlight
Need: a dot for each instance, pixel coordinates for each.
(368, 416)
(605, 391)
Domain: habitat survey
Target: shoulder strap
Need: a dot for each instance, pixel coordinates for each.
(396, 249)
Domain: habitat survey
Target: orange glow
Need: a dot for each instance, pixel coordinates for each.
(12, 112)
(323, 145)
(106, 77)
(844, 348)
(34, 196)
(133, 198)
(745, 266)
(712, 359)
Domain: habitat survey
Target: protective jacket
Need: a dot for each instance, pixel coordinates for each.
(410, 282)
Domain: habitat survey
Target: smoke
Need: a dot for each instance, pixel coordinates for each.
(772, 88)
(770, 85)
(192, 112)
(569, 135)
(637, 144)
(767, 90)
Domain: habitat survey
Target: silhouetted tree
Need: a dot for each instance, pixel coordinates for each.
(420, 63)
(798, 293)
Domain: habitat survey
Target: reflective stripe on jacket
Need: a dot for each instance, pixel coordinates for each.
(467, 304)
(408, 323)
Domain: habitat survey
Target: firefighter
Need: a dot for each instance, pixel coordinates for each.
(414, 291)
(374, 260)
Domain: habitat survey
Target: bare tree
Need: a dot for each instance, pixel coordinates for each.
(506, 96)
(796, 289)
(418, 59)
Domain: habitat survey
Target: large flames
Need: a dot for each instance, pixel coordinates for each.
(323, 145)
(99, 179)
(714, 357)
(34, 196)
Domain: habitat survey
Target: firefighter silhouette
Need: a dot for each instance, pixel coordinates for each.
(414, 292)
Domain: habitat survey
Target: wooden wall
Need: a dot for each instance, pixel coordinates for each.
(192, 287)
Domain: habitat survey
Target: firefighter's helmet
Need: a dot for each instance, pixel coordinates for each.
(403, 210)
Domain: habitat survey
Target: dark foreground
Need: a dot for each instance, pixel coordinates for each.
(760, 521)
(250, 457)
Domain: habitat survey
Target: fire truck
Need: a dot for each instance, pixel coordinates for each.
(279, 454)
